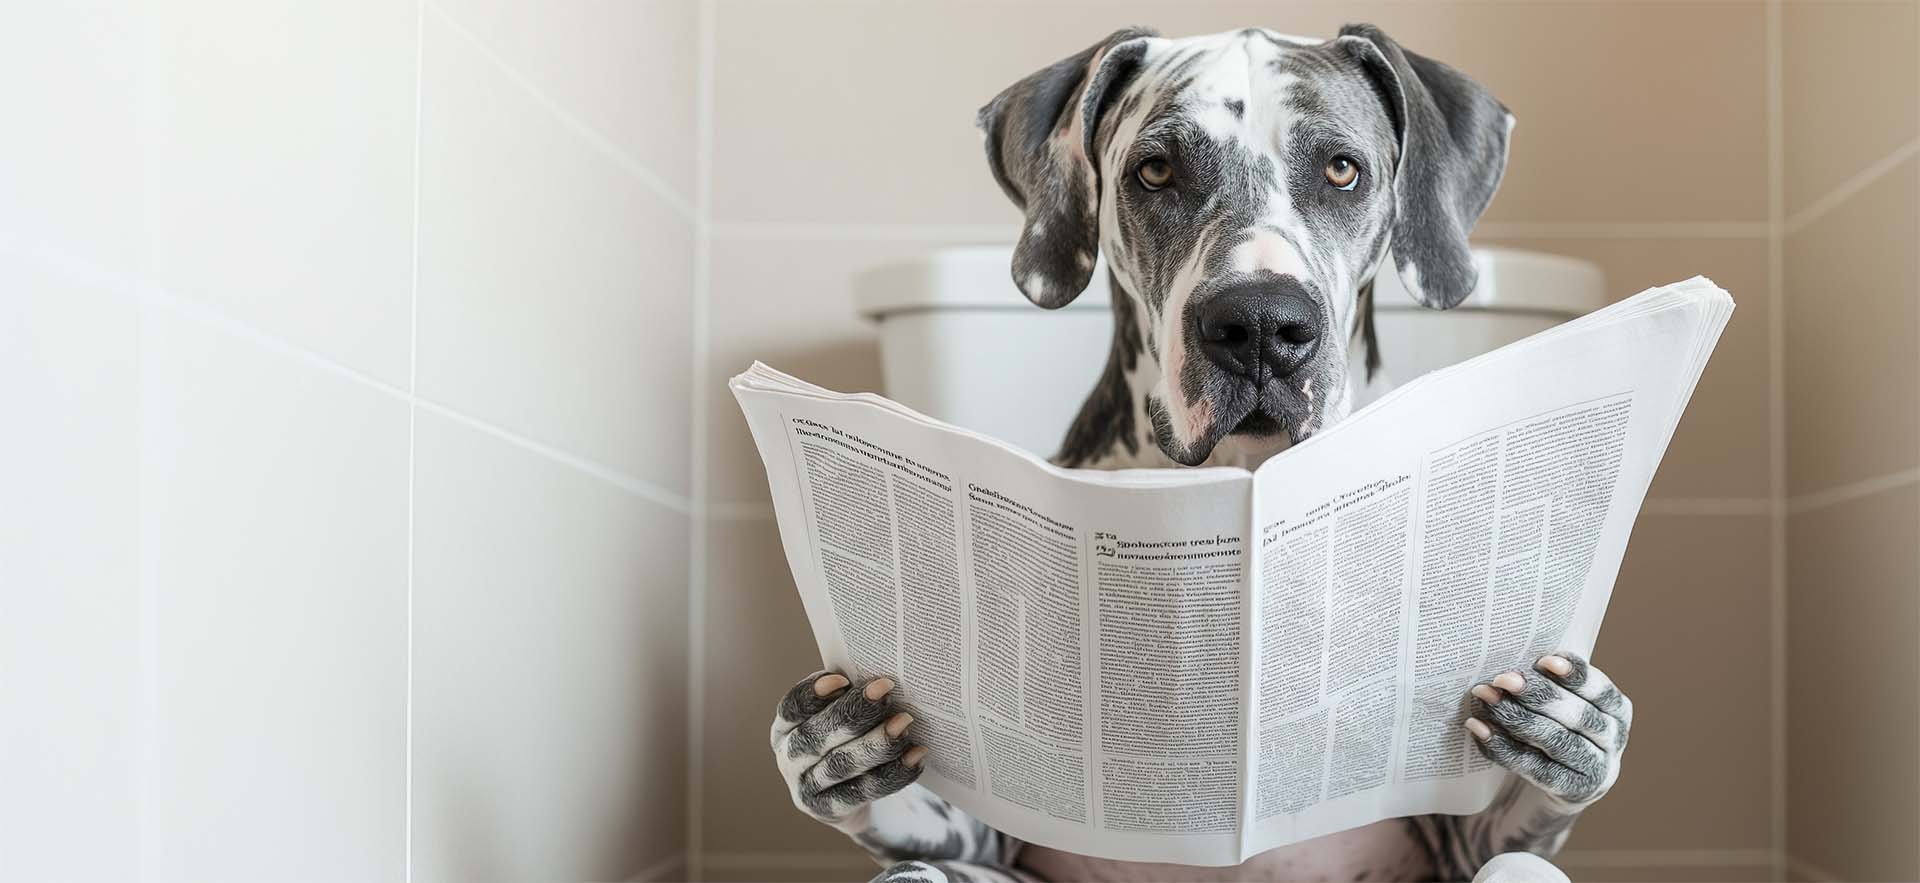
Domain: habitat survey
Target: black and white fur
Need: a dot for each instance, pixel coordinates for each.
(1241, 288)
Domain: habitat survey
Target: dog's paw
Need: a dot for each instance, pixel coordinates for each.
(841, 746)
(1561, 726)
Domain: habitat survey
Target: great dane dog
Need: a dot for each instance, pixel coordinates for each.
(1245, 188)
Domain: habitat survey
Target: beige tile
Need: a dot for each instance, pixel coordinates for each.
(1722, 446)
(1606, 873)
(1851, 75)
(757, 646)
(555, 289)
(788, 304)
(272, 684)
(1687, 636)
(834, 112)
(277, 160)
(1853, 408)
(624, 67)
(827, 863)
(1853, 666)
(549, 648)
(69, 572)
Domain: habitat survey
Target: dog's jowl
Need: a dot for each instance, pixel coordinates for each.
(1245, 188)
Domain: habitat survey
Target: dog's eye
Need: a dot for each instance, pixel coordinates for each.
(1343, 172)
(1155, 173)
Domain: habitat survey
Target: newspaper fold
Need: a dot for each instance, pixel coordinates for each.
(1198, 665)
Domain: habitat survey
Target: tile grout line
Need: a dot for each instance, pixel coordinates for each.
(1809, 870)
(594, 138)
(158, 297)
(697, 527)
(413, 411)
(1708, 506)
(1851, 187)
(659, 869)
(1916, 197)
(1853, 490)
(1777, 430)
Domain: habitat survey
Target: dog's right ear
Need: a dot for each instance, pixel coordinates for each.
(1453, 151)
(1040, 135)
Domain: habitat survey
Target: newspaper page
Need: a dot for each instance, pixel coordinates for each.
(1070, 642)
(1198, 665)
(1463, 527)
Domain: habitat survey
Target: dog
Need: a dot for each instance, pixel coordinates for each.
(1245, 189)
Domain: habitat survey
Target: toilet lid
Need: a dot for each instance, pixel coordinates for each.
(974, 277)
(977, 278)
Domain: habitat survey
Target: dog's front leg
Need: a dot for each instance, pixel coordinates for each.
(1561, 728)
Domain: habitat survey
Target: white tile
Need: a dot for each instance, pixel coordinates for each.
(549, 667)
(278, 144)
(67, 570)
(273, 618)
(70, 161)
(554, 287)
(624, 67)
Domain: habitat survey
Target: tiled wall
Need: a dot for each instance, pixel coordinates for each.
(361, 461)
(344, 504)
(843, 138)
(1852, 293)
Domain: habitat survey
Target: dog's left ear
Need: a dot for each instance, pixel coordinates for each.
(1453, 151)
(1040, 135)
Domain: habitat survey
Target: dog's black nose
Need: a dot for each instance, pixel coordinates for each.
(1275, 323)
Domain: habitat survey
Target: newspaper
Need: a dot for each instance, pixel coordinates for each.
(1199, 665)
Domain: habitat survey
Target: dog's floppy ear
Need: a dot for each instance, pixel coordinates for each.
(1453, 150)
(1040, 135)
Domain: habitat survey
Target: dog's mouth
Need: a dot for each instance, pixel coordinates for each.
(1268, 416)
(1260, 424)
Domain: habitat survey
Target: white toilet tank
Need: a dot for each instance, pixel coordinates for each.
(959, 342)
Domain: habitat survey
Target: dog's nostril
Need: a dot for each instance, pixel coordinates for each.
(1259, 330)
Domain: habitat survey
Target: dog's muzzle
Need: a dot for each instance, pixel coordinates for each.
(1260, 330)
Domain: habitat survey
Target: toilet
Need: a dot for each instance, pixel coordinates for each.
(960, 343)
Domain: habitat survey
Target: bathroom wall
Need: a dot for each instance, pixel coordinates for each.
(843, 138)
(345, 354)
(1850, 218)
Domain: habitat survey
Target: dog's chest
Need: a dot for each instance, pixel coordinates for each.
(1384, 850)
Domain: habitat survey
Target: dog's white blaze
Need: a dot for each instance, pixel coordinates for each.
(1269, 251)
(1226, 78)
(1170, 333)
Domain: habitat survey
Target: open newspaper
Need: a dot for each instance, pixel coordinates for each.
(1198, 665)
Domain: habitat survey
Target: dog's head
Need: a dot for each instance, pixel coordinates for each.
(1244, 188)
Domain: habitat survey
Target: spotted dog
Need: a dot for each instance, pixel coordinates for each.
(1245, 188)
